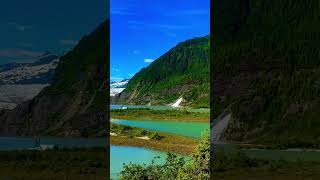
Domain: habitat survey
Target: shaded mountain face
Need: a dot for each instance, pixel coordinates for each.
(13, 94)
(181, 72)
(266, 71)
(39, 72)
(75, 103)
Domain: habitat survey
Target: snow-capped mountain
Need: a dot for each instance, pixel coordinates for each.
(119, 84)
(117, 87)
(20, 82)
(40, 71)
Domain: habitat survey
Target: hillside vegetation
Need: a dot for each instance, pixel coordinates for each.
(266, 70)
(75, 103)
(55, 164)
(182, 71)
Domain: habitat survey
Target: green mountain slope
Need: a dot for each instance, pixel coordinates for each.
(75, 103)
(266, 70)
(181, 72)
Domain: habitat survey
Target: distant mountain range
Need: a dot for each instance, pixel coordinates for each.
(117, 87)
(40, 71)
(119, 84)
(20, 82)
(181, 72)
(74, 104)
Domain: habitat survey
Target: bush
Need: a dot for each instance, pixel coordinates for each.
(175, 167)
(155, 136)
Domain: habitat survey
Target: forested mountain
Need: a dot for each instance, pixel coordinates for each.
(75, 103)
(181, 72)
(266, 70)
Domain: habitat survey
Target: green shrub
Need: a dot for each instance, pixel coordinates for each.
(155, 136)
(175, 167)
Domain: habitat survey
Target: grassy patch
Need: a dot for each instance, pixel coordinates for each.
(57, 164)
(148, 114)
(127, 135)
(130, 131)
(237, 166)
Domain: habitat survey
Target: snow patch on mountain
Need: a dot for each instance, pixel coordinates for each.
(118, 87)
(177, 103)
(20, 82)
(39, 72)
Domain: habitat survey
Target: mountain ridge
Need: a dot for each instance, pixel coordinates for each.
(117, 87)
(75, 103)
(41, 71)
(182, 71)
(266, 69)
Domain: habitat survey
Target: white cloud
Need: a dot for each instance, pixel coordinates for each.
(148, 60)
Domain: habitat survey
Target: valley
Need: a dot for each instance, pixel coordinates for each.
(161, 116)
(55, 109)
(54, 90)
(162, 130)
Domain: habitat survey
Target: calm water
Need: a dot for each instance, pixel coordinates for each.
(119, 106)
(16, 143)
(190, 129)
(127, 154)
(159, 108)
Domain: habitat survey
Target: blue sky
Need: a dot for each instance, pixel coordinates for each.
(30, 27)
(143, 30)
